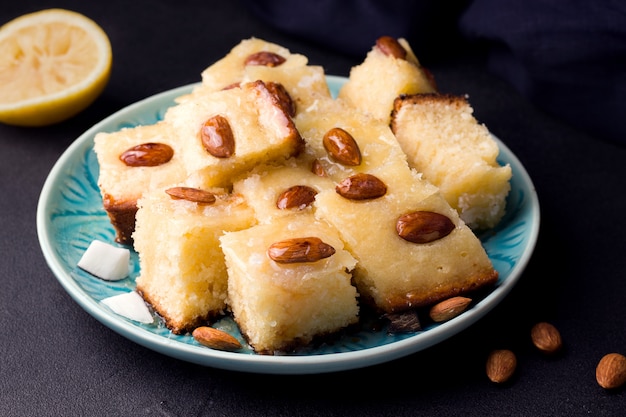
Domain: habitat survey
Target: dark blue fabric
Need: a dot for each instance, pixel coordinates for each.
(567, 57)
(351, 26)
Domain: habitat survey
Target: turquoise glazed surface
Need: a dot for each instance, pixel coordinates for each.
(70, 215)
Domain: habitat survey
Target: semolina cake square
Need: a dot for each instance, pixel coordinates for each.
(122, 185)
(230, 69)
(393, 274)
(276, 191)
(445, 142)
(373, 85)
(303, 82)
(183, 275)
(257, 124)
(282, 306)
(374, 139)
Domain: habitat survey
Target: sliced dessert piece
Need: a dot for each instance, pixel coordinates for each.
(256, 59)
(252, 52)
(341, 140)
(249, 52)
(133, 160)
(226, 133)
(445, 142)
(183, 275)
(282, 191)
(412, 248)
(289, 283)
(389, 69)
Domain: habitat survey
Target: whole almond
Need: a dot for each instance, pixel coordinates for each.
(501, 364)
(448, 309)
(611, 371)
(195, 195)
(296, 197)
(265, 58)
(147, 155)
(423, 226)
(546, 337)
(217, 137)
(391, 47)
(303, 249)
(342, 147)
(215, 339)
(283, 97)
(361, 186)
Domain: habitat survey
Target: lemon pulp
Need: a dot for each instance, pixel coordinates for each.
(53, 64)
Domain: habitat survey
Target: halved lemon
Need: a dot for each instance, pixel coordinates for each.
(53, 64)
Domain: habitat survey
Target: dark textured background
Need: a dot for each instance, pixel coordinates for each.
(55, 359)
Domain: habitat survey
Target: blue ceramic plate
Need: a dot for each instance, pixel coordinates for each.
(70, 215)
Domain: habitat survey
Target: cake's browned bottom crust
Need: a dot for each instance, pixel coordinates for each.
(173, 326)
(294, 345)
(426, 298)
(122, 217)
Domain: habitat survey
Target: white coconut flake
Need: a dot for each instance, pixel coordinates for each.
(129, 305)
(106, 261)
